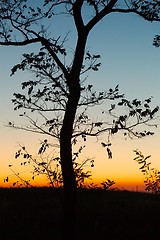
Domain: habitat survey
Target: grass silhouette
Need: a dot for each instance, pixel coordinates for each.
(36, 213)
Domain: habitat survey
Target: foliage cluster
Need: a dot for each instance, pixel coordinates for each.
(48, 165)
(152, 175)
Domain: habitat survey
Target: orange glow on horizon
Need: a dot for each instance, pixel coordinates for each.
(121, 168)
(130, 184)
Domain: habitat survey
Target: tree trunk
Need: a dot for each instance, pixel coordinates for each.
(69, 181)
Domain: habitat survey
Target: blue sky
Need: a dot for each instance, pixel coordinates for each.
(128, 59)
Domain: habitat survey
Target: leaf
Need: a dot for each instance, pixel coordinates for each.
(154, 111)
(96, 67)
(147, 157)
(88, 55)
(136, 158)
(120, 103)
(30, 90)
(41, 53)
(98, 124)
(96, 56)
(42, 163)
(104, 144)
(89, 87)
(109, 153)
(142, 166)
(7, 179)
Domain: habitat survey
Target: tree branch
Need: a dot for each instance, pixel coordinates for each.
(136, 12)
(47, 45)
(77, 15)
(101, 14)
(22, 43)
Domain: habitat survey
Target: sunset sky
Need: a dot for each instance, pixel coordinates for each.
(128, 59)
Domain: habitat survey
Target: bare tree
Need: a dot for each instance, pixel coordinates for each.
(59, 94)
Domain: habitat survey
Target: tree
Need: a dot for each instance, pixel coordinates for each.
(59, 86)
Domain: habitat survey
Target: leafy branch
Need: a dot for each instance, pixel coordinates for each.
(48, 165)
(152, 175)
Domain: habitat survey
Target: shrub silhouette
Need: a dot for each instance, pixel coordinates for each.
(49, 166)
(152, 175)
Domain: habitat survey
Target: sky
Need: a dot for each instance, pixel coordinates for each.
(128, 59)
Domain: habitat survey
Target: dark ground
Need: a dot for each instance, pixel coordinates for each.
(35, 213)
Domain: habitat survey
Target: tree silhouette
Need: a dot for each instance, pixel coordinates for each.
(59, 94)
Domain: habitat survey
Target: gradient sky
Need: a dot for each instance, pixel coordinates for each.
(128, 59)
